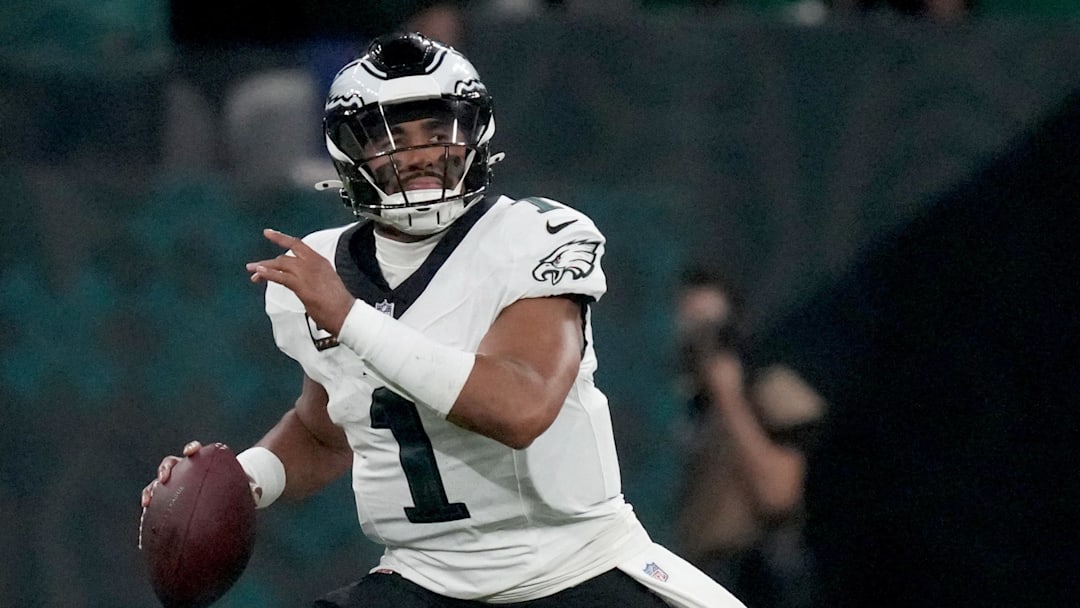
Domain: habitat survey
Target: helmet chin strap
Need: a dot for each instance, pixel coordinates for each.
(422, 223)
(405, 218)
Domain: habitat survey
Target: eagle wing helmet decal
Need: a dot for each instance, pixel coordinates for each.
(576, 258)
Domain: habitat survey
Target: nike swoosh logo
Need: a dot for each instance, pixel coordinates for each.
(557, 227)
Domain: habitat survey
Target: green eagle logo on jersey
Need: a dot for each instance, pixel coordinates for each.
(576, 258)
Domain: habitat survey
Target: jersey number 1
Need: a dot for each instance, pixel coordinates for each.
(392, 411)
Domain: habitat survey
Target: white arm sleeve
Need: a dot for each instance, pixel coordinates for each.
(427, 372)
(266, 474)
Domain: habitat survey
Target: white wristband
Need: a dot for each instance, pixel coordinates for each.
(430, 373)
(266, 474)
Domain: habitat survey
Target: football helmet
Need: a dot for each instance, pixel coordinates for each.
(408, 127)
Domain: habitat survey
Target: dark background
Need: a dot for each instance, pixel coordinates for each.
(896, 197)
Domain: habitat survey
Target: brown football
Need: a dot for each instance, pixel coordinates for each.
(198, 532)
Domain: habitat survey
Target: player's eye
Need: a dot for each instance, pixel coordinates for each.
(440, 135)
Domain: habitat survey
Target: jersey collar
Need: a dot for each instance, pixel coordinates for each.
(359, 270)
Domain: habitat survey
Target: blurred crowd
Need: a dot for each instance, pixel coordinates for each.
(103, 251)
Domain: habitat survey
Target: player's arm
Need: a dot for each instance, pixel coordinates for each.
(312, 449)
(510, 390)
(522, 371)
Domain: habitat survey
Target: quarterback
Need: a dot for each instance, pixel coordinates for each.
(446, 345)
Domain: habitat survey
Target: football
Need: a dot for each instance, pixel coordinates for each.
(198, 532)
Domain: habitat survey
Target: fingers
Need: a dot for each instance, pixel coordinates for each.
(258, 271)
(261, 272)
(164, 470)
(280, 268)
(275, 269)
(148, 492)
(298, 247)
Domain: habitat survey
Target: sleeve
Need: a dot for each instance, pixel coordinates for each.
(294, 332)
(557, 250)
(285, 311)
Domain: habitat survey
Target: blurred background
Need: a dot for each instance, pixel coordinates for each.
(893, 184)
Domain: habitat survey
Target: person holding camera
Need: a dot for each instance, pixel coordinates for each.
(739, 517)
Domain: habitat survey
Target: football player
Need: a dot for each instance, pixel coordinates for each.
(446, 345)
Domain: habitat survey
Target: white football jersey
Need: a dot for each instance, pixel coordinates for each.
(459, 513)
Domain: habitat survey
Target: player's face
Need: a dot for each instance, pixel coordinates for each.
(425, 156)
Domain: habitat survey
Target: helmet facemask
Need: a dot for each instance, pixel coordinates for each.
(416, 165)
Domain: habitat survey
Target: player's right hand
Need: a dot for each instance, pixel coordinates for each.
(165, 470)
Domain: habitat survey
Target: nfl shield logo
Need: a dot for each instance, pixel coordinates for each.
(386, 307)
(656, 572)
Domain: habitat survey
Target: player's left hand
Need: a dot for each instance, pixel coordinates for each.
(308, 275)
